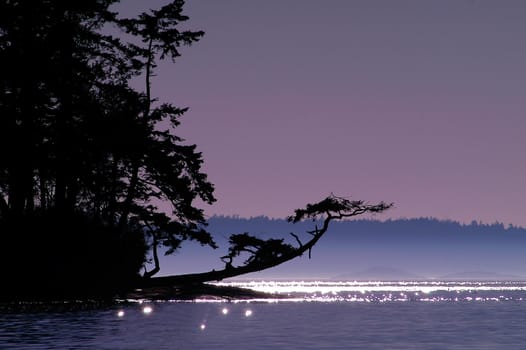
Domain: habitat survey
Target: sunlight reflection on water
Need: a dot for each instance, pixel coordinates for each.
(379, 291)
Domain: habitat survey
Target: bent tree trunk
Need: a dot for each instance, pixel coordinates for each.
(331, 208)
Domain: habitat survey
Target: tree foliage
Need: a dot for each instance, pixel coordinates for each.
(77, 140)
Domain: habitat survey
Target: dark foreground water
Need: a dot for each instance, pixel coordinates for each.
(320, 316)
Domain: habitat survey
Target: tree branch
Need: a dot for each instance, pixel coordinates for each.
(331, 208)
(297, 239)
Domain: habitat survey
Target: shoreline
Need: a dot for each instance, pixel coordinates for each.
(149, 294)
(198, 291)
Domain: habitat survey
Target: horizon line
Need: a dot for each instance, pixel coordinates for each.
(401, 218)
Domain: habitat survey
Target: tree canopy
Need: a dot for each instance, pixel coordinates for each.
(78, 141)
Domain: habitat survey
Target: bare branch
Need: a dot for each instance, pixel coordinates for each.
(297, 239)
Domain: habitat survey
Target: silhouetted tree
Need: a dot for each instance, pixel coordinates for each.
(80, 146)
(264, 254)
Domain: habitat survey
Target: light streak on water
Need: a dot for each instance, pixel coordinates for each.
(380, 291)
(367, 292)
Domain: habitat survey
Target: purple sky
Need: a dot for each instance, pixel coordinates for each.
(421, 103)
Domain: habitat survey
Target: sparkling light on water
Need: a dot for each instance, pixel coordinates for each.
(378, 291)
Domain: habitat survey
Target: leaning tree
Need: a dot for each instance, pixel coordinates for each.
(260, 254)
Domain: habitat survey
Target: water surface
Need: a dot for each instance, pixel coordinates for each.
(347, 315)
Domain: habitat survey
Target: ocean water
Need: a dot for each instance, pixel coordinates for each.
(314, 315)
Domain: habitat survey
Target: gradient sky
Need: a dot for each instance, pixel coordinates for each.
(421, 103)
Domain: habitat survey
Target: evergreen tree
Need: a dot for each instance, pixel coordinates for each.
(81, 150)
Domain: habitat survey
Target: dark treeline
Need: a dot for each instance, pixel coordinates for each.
(407, 230)
(83, 155)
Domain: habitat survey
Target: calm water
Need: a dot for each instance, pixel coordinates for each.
(319, 316)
